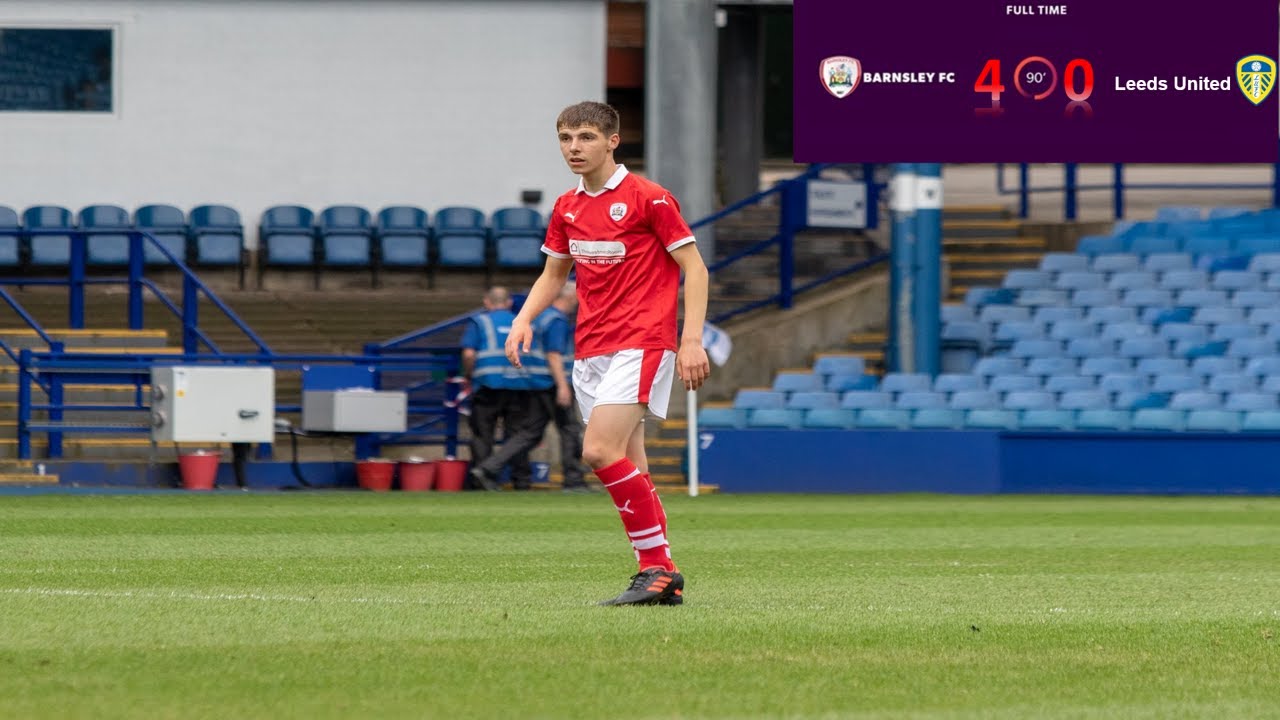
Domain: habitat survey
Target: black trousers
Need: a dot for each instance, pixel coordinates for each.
(569, 426)
(524, 415)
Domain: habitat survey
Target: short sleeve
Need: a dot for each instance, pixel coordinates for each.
(471, 336)
(556, 243)
(667, 223)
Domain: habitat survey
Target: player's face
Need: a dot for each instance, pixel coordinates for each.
(585, 148)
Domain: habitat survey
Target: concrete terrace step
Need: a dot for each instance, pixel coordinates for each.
(976, 212)
(18, 479)
(980, 228)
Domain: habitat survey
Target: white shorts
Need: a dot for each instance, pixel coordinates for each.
(625, 377)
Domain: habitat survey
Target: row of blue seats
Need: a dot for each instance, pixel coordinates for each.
(1189, 395)
(1132, 348)
(1211, 245)
(291, 235)
(1263, 312)
(1207, 323)
(1101, 420)
(1227, 280)
(1109, 263)
(1151, 297)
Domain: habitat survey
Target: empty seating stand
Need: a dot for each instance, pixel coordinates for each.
(106, 249)
(217, 238)
(168, 225)
(48, 250)
(517, 234)
(461, 239)
(287, 239)
(404, 239)
(346, 239)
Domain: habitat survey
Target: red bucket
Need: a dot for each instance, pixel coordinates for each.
(198, 469)
(450, 475)
(375, 474)
(417, 475)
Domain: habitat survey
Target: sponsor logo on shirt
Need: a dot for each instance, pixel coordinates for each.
(597, 252)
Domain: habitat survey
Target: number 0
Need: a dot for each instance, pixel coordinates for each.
(1069, 84)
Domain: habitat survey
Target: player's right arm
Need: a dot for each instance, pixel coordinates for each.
(544, 291)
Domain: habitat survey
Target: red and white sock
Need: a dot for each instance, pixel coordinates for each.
(642, 515)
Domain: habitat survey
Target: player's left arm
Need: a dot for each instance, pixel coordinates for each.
(692, 365)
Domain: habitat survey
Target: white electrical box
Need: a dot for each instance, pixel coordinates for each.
(355, 410)
(213, 404)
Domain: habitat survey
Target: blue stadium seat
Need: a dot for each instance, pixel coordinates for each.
(288, 239)
(1121, 382)
(1251, 348)
(1161, 366)
(1046, 419)
(1142, 347)
(1210, 245)
(1265, 262)
(346, 237)
(1138, 401)
(1166, 262)
(958, 313)
(1013, 383)
(1044, 366)
(1196, 298)
(404, 237)
(718, 417)
(1213, 420)
(776, 418)
(1149, 244)
(1115, 262)
(106, 249)
(1055, 314)
(1008, 333)
(998, 365)
(1195, 400)
(1067, 383)
(1228, 211)
(1235, 331)
(1084, 400)
(1270, 384)
(845, 383)
(1147, 298)
(1178, 213)
(1177, 314)
(906, 382)
(48, 250)
(1118, 331)
(1028, 400)
(1273, 281)
(217, 238)
(965, 335)
(168, 225)
(1039, 297)
(1133, 280)
(1234, 280)
(1103, 364)
(798, 382)
(1265, 315)
(1209, 349)
(917, 400)
(1100, 244)
(991, 419)
(1036, 348)
(1175, 383)
(839, 365)
(1157, 420)
(1059, 262)
(937, 419)
(955, 382)
(1027, 279)
(1072, 329)
(1094, 300)
(834, 419)
(518, 235)
(1251, 401)
(461, 238)
(813, 400)
(1079, 280)
(1261, 421)
(974, 400)
(10, 238)
(1102, 419)
(992, 314)
(983, 296)
(1189, 332)
(1104, 314)
(884, 418)
(1258, 244)
(1090, 348)
(1263, 365)
(1211, 366)
(864, 399)
(753, 399)
(1184, 279)
(1255, 298)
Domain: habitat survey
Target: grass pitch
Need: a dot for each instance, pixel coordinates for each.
(348, 605)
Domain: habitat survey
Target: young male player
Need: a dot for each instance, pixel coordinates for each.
(629, 243)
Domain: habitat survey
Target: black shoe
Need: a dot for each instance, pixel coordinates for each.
(480, 481)
(653, 586)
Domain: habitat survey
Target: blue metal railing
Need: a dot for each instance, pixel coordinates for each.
(1071, 188)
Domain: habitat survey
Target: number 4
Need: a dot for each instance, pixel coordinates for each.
(989, 80)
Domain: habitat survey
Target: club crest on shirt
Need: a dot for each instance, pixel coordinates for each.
(617, 211)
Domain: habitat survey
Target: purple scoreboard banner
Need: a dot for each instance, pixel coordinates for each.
(1098, 81)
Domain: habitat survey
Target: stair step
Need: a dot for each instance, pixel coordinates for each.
(975, 212)
(978, 276)
(868, 337)
(27, 479)
(993, 244)
(1010, 258)
(981, 228)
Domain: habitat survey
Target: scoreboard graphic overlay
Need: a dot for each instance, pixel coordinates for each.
(1100, 81)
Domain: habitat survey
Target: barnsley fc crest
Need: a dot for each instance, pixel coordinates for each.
(840, 74)
(1256, 75)
(617, 211)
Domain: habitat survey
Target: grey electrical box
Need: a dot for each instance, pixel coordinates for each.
(355, 410)
(213, 404)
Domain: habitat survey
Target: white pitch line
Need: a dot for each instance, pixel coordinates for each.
(205, 597)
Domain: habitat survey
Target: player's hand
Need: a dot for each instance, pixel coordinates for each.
(564, 396)
(519, 340)
(692, 366)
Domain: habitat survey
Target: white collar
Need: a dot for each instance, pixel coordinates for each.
(612, 183)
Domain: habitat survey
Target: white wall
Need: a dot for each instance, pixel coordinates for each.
(252, 104)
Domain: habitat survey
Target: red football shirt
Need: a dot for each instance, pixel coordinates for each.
(621, 240)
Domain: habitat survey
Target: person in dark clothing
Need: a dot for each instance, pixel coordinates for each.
(555, 325)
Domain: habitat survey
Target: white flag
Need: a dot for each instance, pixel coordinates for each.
(717, 343)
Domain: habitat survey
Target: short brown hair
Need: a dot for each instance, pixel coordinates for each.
(596, 114)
